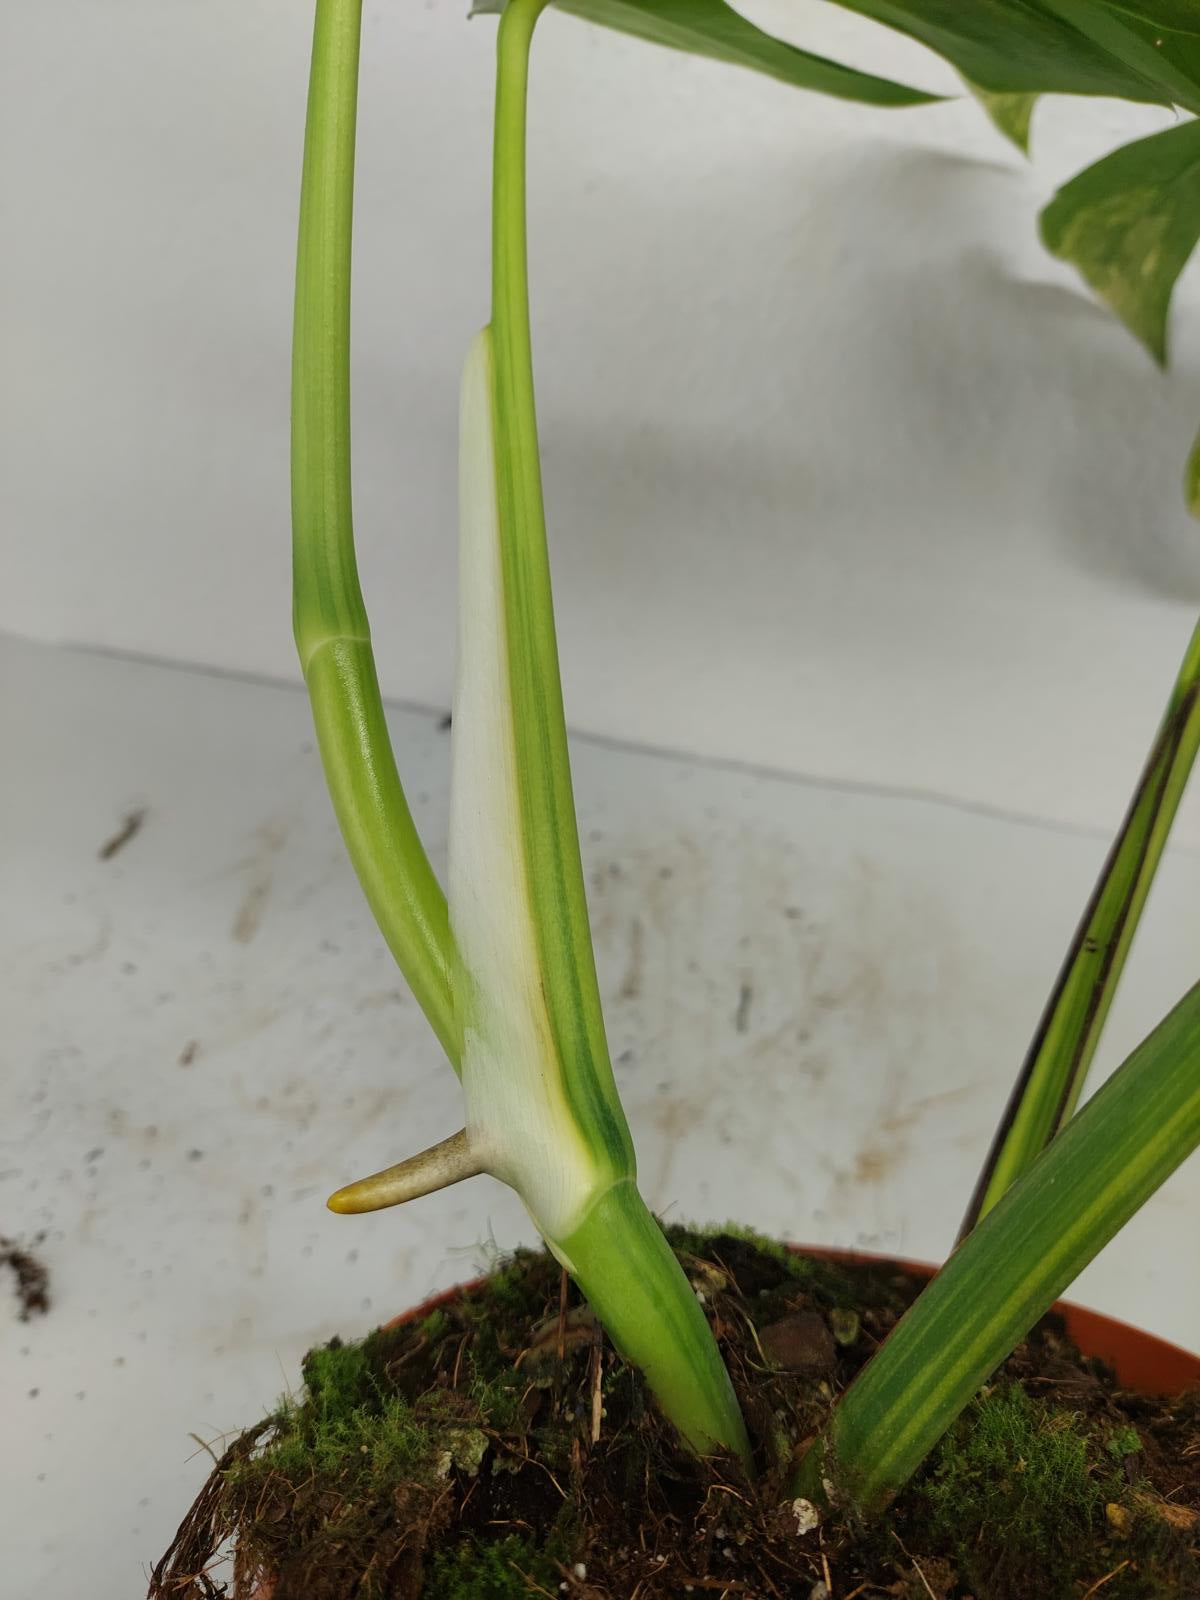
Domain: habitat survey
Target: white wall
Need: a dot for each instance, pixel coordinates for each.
(845, 475)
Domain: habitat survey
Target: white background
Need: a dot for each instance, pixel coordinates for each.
(846, 479)
(845, 475)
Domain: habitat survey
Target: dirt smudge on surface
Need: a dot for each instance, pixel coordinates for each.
(879, 1157)
(31, 1275)
(631, 983)
(873, 1164)
(131, 826)
(272, 837)
(741, 1017)
(378, 998)
(250, 913)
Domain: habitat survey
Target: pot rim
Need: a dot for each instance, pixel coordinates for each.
(1141, 1360)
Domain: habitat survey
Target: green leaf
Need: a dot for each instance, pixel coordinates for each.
(1085, 1186)
(329, 616)
(1012, 114)
(1129, 224)
(1053, 1074)
(1191, 479)
(1014, 47)
(1170, 61)
(712, 28)
(1180, 16)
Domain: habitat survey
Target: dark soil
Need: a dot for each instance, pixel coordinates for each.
(32, 1278)
(498, 1448)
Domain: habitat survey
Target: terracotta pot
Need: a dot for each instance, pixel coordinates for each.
(1140, 1360)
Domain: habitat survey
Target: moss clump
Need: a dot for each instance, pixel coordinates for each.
(504, 1569)
(1016, 1492)
(1023, 1497)
(350, 1426)
(1122, 1442)
(347, 1485)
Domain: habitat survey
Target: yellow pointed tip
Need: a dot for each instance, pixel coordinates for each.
(436, 1168)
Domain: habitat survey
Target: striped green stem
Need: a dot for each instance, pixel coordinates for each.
(330, 619)
(543, 1113)
(542, 766)
(1048, 1087)
(1103, 1166)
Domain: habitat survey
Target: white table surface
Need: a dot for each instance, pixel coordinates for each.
(816, 999)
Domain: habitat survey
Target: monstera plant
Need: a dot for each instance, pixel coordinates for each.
(501, 959)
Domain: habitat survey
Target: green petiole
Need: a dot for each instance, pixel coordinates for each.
(1052, 1077)
(1080, 1191)
(329, 617)
(542, 1106)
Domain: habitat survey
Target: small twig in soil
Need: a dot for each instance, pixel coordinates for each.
(829, 1580)
(917, 1567)
(462, 1345)
(1100, 1582)
(563, 1283)
(533, 1586)
(765, 1578)
(753, 1332)
(597, 1396)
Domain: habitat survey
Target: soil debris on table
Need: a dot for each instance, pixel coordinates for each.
(31, 1278)
(497, 1447)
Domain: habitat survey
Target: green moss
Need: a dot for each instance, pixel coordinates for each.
(361, 1446)
(760, 1266)
(354, 1431)
(1018, 1492)
(510, 1281)
(433, 1326)
(499, 1400)
(1122, 1442)
(338, 1379)
(704, 1242)
(498, 1570)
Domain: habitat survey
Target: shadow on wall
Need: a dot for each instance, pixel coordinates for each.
(852, 351)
